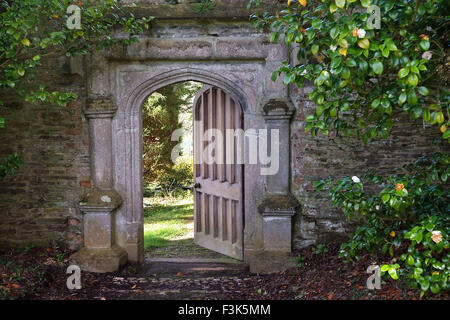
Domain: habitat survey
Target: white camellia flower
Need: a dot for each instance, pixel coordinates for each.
(361, 33)
(356, 179)
(333, 48)
(427, 55)
(377, 207)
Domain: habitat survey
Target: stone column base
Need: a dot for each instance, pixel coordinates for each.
(266, 262)
(277, 211)
(100, 254)
(100, 260)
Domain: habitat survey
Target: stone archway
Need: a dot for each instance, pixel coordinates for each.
(127, 130)
(118, 86)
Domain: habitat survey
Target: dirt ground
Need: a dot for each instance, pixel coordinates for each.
(41, 274)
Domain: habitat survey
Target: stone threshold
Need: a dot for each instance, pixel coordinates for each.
(195, 260)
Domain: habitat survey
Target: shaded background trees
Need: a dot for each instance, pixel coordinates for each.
(166, 110)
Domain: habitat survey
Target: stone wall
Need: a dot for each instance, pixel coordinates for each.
(40, 203)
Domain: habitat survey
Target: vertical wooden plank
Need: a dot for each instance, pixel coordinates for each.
(205, 127)
(224, 219)
(239, 221)
(225, 140)
(219, 217)
(200, 132)
(213, 125)
(197, 145)
(221, 128)
(229, 143)
(210, 124)
(233, 221)
(215, 216)
(233, 121)
(229, 221)
(198, 211)
(206, 213)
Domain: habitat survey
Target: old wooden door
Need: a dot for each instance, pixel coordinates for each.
(218, 195)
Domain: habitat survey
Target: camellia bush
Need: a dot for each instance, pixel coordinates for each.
(369, 62)
(406, 215)
(363, 77)
(33, 30)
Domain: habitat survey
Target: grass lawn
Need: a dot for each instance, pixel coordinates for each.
(169, 228)
(167, 220)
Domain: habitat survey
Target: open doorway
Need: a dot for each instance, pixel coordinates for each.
(171, 229)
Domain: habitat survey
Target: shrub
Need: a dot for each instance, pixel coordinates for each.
(363, 77)
(180, 175)
(175, 181)
(405, 215)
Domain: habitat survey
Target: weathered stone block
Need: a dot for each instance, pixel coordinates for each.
(308, 229)
(171, 49)
(98, 229)
(100, 260)
(277, 232)
(277, 211)
(266, 262)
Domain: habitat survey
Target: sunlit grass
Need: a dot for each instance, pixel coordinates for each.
(167, 220)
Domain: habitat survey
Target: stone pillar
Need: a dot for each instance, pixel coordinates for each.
(279, 119)
(277, 206)
(100, 254)
(100, 131)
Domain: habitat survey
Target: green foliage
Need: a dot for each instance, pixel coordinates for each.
(253, 3)
(9, 165)
(406, 215)
(203, 6)
(299, 260)
(179, 176)
(32, 30)
(363, 78)
(320, 249)
(160, 119)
